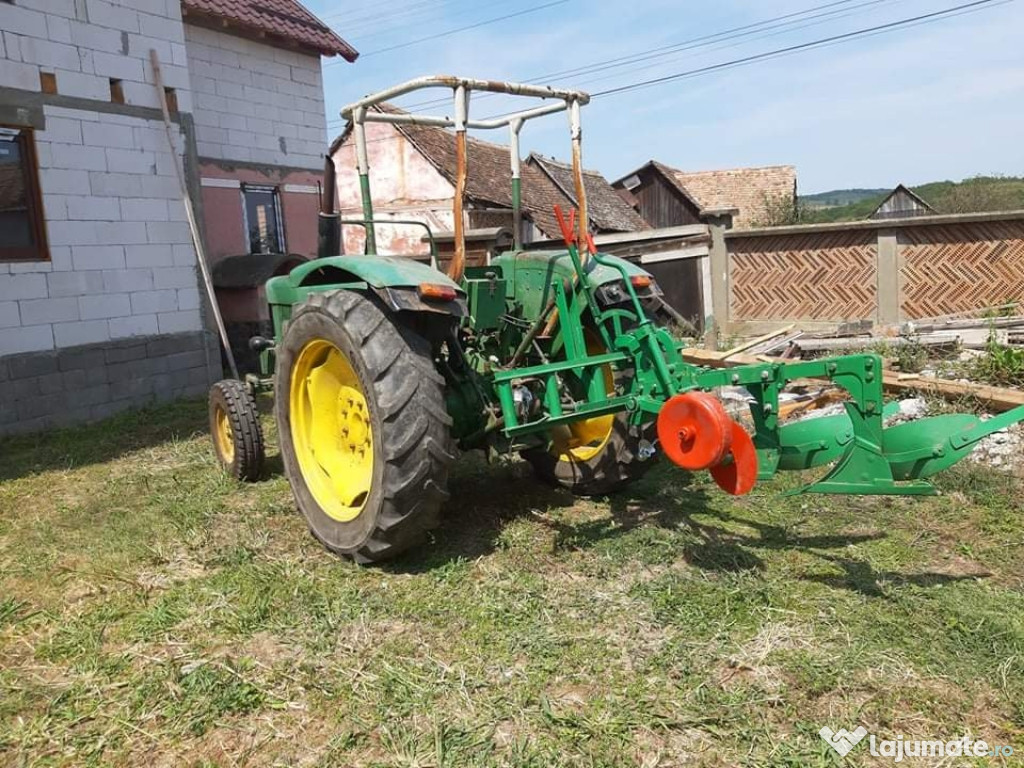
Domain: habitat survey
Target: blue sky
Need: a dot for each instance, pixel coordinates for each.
(936, 101)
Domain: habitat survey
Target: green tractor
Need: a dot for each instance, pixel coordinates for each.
(383, 368)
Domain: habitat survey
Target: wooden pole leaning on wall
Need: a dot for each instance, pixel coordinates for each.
(191, 214)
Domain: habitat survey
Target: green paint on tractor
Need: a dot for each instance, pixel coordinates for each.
(561, 355)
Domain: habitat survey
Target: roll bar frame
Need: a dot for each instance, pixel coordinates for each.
(359, 113)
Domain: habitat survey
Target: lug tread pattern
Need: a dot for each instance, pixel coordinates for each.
(415, 441)
(246, 431)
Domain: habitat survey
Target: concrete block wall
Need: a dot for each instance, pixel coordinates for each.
(254, 102)
(122, 262)
(57, 388)
(85, 43)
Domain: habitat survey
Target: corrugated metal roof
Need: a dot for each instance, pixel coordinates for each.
(285, 20)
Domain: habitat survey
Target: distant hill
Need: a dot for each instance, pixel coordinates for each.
(974, 195)
(840, 197)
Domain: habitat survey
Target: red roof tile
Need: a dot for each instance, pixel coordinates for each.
(750, 190)
(607, 211)
(285, 20)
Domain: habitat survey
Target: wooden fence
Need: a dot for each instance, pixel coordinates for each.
(882, 271)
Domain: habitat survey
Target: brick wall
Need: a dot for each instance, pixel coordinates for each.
(41, 390)
(254, 102)
(885, 272)
(113, 318)
(87, 42)
(122, 262)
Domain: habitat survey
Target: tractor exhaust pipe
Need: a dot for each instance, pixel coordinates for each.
(329, 221)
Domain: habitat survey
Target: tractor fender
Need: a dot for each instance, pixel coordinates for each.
(394, 279)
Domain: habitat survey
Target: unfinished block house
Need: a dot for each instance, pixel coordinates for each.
(101, 306)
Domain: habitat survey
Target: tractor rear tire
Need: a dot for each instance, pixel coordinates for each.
(377, 490)
(236, 431)
(618, 463)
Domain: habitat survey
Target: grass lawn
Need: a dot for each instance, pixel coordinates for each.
(154, 613)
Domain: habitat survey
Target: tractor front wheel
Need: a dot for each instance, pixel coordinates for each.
(236, 431)
(362, 424)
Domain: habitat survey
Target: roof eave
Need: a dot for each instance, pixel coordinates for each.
(253, 32)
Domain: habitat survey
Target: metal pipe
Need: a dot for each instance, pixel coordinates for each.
(330, 190)
(576, 133)
(470, 84)
(190, 215)
(328, 226)
(458, 264)
(447, 122)
(517, 189)
(363, 165)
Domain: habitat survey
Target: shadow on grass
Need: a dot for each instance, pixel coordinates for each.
(858, 575)
(485, 499)
(104, 441)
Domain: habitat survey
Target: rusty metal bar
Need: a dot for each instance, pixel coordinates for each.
(458, 263)
(569, 100)
(576, 132)
(447, 122)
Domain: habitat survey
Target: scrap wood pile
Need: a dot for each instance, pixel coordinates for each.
(976, 330)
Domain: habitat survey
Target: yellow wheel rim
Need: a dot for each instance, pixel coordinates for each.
(331, 430)
(585, 439)
(223, 435)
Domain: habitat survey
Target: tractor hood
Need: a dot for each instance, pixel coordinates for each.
(559, 264)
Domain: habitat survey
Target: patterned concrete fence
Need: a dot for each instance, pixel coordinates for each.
(881, 271)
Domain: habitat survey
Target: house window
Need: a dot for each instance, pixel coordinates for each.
(22, 230)
(262, 211)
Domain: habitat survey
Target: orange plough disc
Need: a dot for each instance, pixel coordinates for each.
(737, 474)
(694, 430)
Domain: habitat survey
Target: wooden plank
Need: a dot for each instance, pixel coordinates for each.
(971, 338)
(760, 339)
(994, 398)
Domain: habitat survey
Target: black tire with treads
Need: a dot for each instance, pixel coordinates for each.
(232, 397)
(412, 445)
(611, 470)
(617, 465)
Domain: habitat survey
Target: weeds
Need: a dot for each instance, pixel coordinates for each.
(1001, 365)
